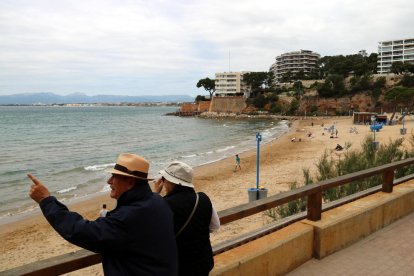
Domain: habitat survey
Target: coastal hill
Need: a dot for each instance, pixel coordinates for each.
(51, 98)
(339, 96)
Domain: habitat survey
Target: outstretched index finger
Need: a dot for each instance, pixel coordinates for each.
(34, 179)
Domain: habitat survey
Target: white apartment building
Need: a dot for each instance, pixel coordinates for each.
(394, 50)
(294, 62)
(230, 84)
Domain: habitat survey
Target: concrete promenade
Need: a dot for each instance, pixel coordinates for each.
(389, 251)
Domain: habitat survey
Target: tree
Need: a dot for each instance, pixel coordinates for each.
(300, 75)
(200, 98)
(333, 86)
(407, 81)
(208, 84)
(259, 101)
(294, 105)
(400, 96)
(408, 67)
(297, 85)
(397, 67)
(259, 82)
(380, 82)
(345, 65)
(287, 77)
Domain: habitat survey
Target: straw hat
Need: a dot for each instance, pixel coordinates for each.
(131, 165)
(178, 173)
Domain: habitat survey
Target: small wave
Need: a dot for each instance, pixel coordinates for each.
(189, 156)
(99, 167)
(225, 149)
(13, 173)
(66, 190)
(105, 188)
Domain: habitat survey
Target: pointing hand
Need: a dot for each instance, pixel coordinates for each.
(38, 191)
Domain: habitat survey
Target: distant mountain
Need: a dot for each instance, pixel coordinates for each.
(50, 98)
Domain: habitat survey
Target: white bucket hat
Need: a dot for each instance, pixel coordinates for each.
(178, 173)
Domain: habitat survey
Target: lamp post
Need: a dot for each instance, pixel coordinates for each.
(403, 131)
(375, 129)
(258, 140)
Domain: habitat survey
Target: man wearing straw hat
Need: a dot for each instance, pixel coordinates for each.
(136, 238)
(194, 219)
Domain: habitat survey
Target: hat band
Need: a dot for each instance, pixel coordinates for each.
(135, 173)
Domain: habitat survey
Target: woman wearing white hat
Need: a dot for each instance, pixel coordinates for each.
(194, 219)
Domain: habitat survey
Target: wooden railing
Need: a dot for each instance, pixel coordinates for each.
(84, 258)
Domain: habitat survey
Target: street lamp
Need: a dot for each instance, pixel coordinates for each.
(258, 140)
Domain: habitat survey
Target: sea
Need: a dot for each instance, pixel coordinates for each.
(71, 149)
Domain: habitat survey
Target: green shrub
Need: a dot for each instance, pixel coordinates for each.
(348, 161)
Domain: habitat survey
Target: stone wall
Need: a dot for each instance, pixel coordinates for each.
(228, 104)
(188, 107)
(204, 106)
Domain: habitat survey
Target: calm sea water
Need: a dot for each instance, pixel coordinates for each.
(70, 149)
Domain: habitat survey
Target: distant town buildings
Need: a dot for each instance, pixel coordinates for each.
(230, 84)
(294, 62)
(394, 50)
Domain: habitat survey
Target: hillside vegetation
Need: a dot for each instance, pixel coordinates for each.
(338, 85)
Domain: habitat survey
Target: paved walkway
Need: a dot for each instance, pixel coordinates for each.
(389, 251)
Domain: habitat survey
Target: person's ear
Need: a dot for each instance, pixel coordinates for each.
(131, 181)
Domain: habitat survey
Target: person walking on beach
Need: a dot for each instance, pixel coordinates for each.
(194, 219)
(103, 212)
(237, 162)
(136, 238)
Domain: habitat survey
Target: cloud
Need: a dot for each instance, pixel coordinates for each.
(164, 47)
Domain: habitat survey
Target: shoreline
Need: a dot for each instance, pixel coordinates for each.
(34, 210)
(281, 164)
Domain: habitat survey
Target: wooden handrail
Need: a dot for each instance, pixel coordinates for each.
(248, 209)
(84, 258)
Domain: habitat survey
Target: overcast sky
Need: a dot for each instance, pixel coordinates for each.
(163, 47)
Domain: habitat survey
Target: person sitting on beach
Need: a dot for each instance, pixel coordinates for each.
(194, 219)
(136, 238)
(237, 162)
(338, 147)
(103, 212)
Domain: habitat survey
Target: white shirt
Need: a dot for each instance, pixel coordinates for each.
(215, 221)
(103, 212)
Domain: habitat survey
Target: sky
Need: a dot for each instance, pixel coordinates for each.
(163, 47)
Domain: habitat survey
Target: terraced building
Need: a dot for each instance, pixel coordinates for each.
(294, 62)
(394, 50)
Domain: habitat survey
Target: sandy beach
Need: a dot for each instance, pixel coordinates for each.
(282, 161)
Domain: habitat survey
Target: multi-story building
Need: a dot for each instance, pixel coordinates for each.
(394, 50)
(294, 62)
(231, 84)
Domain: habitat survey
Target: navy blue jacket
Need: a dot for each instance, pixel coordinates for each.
(136, 238)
